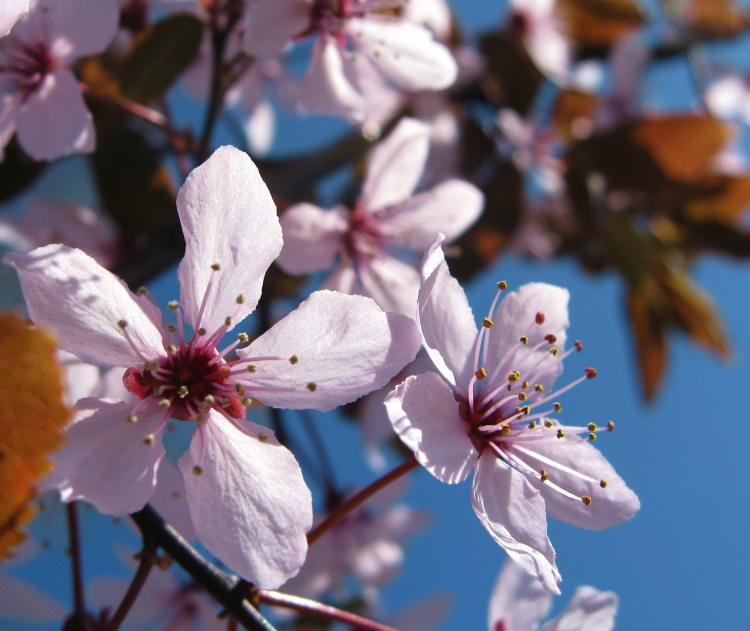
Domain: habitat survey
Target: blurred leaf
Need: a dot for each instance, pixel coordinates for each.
(573, 114)
(33, 416)
(159, 55)
(599, 23)
(684, 145)
(650, 341)
(717, 18)
(17, 171)
(722, 198)
(512, 79)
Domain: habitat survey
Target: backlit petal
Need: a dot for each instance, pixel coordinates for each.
(312, 238)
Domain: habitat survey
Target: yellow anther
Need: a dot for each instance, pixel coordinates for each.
(311, 387)
(246, 401)
(227, 321)
(525, 410)
(262, 437)
(201, 332)
(554, 350)
(149, 440)
(560, 433)
(522, 396)
(159, 390)
(293, 360)
(524, 339)
(142, 291)
(525, 385)
(610, 426)
(548, 424)
(197, 470)
(173, 305)
(183, 391)
(151, 365)
(514, 376)
(132, 418)
(532, 424)
(591, 427)
(240, 299)
(243, 337)
(171, 328)
(487, 323)
(502, 285)
(586, 500)
(250, 368)
(505, 430)
(215, 267)
(557, 406)
(539, 387)
(592, 437)
(481, 373)
(171, 349)
(544, 475)
(603, 484)
(164, 403)
(123, 324)
(224, 402)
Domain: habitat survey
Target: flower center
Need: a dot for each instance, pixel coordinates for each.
(362, 239)
(23, 67)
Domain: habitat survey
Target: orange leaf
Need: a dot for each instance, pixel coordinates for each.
(684, 145)
(599, 22)
(574, 113)
(33, 416)
(650, 341)
(722, 198)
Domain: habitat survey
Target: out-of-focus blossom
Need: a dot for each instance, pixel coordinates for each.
(489, 409)
(542, 31)
(329, 351)
(10, 11)
(729, 97)
(357, 41)
(520, 603)
(40, 98)
(375, 247)
(44, 222)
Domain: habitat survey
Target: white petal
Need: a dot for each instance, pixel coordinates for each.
(513, 513)
(588, 610)
(446, 320)
(325, 88)
(23, 601)
(10, 105)
(406, 53)
(170, 501)
(377, 562)
(518, 600)
(249, 503)
(344, 347)
(107, 460)
(271, 24)
(54, 121)
(69, 292)
(313, 238)
(394, 285)
(395, 165)
(260, 127)
(10, 11)
(450, 207)
(609, 506)
(229, 218)
(81, 27)
(425, 415)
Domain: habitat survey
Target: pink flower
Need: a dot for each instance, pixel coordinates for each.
(540, 28)
(357, 40)
(520, 603)
(39, 95)
(330, 350)
(367, 245)
(489, 411)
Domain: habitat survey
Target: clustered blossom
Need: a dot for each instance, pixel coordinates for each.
(374, 248)
(489, 410)
(40, 99)
(329, 351)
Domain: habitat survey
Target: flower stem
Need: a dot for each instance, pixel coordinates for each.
(319, 610)
(358, 499)
(134, 589)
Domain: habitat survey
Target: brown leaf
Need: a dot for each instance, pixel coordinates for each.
(33, 416)
(573, 113)
(650, 341)
(599, 22)
(714, 18)
(720, 198)
(684, 145)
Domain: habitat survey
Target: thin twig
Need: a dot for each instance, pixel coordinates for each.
(358, 499)
(134, 589)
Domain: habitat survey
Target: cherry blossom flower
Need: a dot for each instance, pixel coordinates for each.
(489, 411)
(367, 245)
(10, 11)
(329, 351)
(540, 28)
(358, 41)
(39, 95)
(520, 603)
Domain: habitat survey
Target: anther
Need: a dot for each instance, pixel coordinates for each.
(246, 401)
(227, 321)
(557, 406)
(539, 318)
(591, 427)
(487, 323)
(551, 339)
(579, 345)
(132, 418)
(172, 328)
(610, 426)
(207, 402)
(502, 285)
(525, 385)
(592, 437)
(197, 470)
(544, 475)
(590, 372)
(603, 484)
(524, 339)
(215, 267)
(522, 396)
(293, 360)
(240, 299)
(250, 368)
(311, 387)
(480, 373)
(151, 365)
(123, 324)
(243, 337)
(201, 332)
(539, 387)
(159, 390)
(164, 403)
(183, 391)
(262, 437)
(514, 376)
(532, 424)
(560, 433)
(173, 305)
(505, 430)
(548, 424)
(554, 350)
(224, 402)
(142, 291)
(525, 410)
(149, 440)
(171, 349)
(586, 500)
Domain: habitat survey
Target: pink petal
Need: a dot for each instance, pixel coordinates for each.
(405, 53)
(516, 317)
(10, 105)
(425, 415)
(395, 165)
(170, 501)
(513, 513)
(272, 24)
(10, 11)
(313, 238)
(377, 562)
(450, 207)
(394, 285)
(54, 121)
(446, 320)
(80, 27)
(229, 219)
(260, 127)
(518, 600)
(325, 88)
(343, 347)
(249, 503)
(107, 460)
(23, 601)
(609, 506)
(588, 610)
(69, 292)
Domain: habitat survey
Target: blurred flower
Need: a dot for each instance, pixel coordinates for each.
(486, 412)
(39, 95)
(329, 351)
(375, 247)
(520, 603)
(10, 11)
(540, 28)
